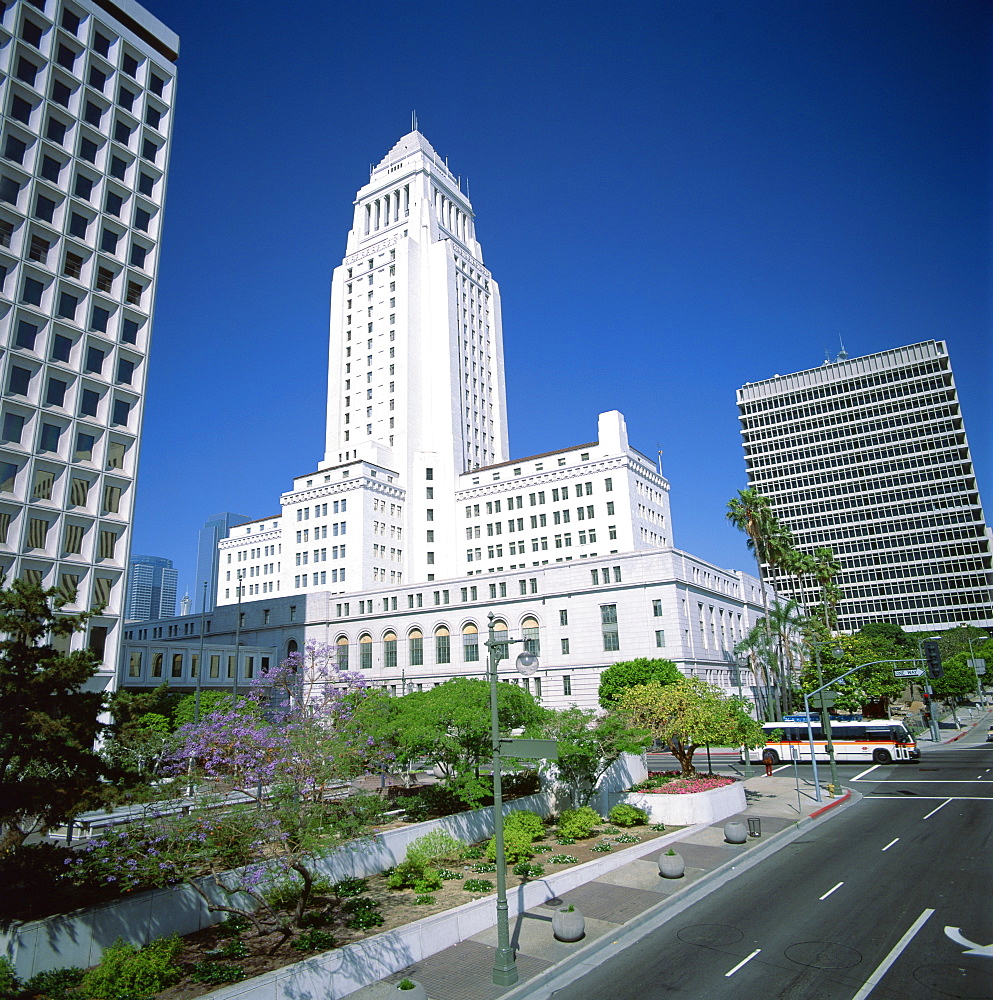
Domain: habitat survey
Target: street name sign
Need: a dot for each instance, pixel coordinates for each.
(912, 672)
(539, 749)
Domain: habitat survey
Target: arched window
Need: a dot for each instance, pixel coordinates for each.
(157, 665)
(177, 664)
(343, 653)
(500, 636)
(365, 651)
(416, 641)
(470, 643)
(292, 647)
(390, 649)
(442, 645)
(532, 644)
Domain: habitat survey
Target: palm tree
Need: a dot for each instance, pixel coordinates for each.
(826, 568)
(751, 513)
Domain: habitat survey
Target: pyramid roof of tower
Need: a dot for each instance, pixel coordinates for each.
(410, 143)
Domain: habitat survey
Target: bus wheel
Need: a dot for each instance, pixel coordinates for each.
(882, 757)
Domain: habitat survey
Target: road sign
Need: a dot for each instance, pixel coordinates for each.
(826, 699)
(540, 749)
(913, 672)
(979, 666)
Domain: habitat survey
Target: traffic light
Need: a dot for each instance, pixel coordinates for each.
(932, 659)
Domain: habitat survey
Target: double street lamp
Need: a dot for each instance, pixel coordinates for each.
(504, 965)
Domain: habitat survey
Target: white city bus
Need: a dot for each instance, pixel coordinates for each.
(880, 741)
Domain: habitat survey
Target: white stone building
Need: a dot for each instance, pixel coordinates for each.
(86, 93)
(869, 457)
(417, 524)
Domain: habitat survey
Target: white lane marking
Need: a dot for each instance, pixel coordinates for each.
(891, 843)
(873, 797)
(859, 777)
(932, 781)
(884, 966)
(828, 893)
(782, 767)
(933, 811)
(744, 961)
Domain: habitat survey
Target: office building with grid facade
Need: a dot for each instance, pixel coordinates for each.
(86, 93)
(869, 457)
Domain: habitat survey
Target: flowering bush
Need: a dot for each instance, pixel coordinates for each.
(673, 783)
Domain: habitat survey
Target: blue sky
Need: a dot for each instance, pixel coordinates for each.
(675, 197)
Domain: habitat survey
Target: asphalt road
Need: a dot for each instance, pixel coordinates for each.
(890, 899)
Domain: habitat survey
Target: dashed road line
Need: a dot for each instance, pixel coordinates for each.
(828, 893)
(744, 961)
(868, 770)
(933, 811)
(891, 843)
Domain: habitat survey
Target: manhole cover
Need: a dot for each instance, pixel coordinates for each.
(956, 981)
(823, 955)
(710, 935)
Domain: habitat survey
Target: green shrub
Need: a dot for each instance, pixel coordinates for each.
(314, 940)
(126, 971)
(601, 848)
(365, 919)
(435, 846)
(516, 846)
(55, 984)
(285, 894)
(478, 885)
(428, 882)
(350, 887)
(562, 859)
(626, 838)
(476, 851)
(565, 841)
(578, 823)
(526, 870)
(233, 925)
(408, 873)
(10, 985)
(361, 905)
(448, 875)
(658, 827)
(424, 900)
(627, 815)
(484, 868)
(527, 822)
(217, 973)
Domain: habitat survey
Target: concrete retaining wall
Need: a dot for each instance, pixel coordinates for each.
(686, 810)
(79, 938)
(337, 973)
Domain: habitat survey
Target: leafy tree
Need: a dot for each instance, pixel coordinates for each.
(958, 678)
(129, 704)
(279, 777)
(691, 714)
(449, 724)
(588, 745)
(956, 640)
(211, 700)
(139, 747)
(875, 684)
(49, 771)
(616, 679)
(892, 633)
(825, 569)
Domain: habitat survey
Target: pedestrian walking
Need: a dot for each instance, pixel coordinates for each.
(768, 759)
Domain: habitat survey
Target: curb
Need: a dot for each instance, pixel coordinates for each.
(646, 922)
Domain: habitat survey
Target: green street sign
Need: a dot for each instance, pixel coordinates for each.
(826, 698)
(539, 749)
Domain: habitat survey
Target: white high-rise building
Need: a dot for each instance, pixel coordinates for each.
(417, 525)
(868, 457)
(151, 593)
(86, 96)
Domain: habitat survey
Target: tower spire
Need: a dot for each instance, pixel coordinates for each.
(413, 121)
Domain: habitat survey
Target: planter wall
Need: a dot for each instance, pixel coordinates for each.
(686, 810)
(79, 938)
(342, 971)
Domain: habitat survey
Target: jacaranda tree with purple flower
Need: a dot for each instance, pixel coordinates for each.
(267, 794)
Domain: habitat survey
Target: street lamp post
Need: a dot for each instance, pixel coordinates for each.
(504, 964)
(979, 683)
(825, 716)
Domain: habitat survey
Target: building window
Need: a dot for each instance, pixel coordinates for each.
(608, 621)
(13, 427)
(565, 652)
(532, 642)
(365, 651)
(416, 644)
(660, 637)
(657, 609)
(61, 348)
(442, 645)
(470, 643)
(390, 650)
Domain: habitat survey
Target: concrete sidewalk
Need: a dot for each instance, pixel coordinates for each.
(630, 894)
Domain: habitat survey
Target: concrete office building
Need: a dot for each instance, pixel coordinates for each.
(869, 457)
(86, 96)
(151, 589)
(417, 524)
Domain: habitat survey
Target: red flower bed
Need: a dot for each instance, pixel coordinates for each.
(673, 783)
